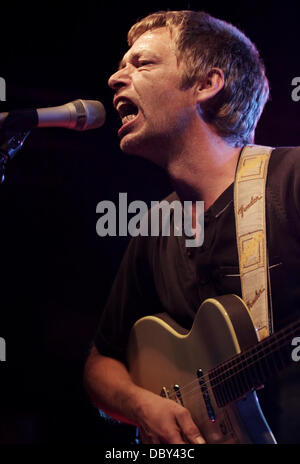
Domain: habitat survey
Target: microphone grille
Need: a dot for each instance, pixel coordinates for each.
(90, 114)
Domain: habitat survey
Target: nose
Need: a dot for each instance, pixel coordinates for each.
(119, 79)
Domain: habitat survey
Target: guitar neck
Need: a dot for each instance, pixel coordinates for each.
(250, 370)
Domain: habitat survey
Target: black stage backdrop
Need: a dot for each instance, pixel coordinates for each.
(55, 271)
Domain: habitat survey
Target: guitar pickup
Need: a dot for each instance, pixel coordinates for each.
(206, 397)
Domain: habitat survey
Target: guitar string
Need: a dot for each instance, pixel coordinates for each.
(264, 349)
(254, 356)
(196, 385)
(259, 349)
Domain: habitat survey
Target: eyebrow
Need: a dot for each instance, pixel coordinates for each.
(132, 57)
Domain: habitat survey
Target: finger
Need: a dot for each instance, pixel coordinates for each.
(177, 439)
(174, 435)
(169, 435)
(189, 429)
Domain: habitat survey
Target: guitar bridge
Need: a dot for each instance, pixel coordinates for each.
(177, 391)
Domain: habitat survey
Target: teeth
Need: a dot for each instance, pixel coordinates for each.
(123, 103)
(128, 118)
(119, 104)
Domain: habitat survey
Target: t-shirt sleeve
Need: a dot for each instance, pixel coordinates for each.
(283, 207)
(285, 186)
(132, 296)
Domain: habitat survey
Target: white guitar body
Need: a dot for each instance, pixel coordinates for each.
(162, 355)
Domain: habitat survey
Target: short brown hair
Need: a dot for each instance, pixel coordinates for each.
(203, 42)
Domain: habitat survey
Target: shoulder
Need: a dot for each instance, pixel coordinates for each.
(284, 168)
(284, 160)
(283, 182)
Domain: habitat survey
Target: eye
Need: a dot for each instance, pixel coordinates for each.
(144, 62)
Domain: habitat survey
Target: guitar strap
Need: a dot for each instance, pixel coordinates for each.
(250, 219)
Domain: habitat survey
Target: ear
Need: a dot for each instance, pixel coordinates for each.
(211, 85)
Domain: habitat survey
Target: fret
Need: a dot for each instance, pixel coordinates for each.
(251, 373)
(229, 393)
(257, 374)
(215, 381)
(241, 387)
(245, 369)
(237, 385)
(264, 363)
(250, 370)
(224, 385)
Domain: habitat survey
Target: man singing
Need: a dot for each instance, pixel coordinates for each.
(190, 91)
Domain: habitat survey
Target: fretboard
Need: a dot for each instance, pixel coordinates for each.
(250, 369)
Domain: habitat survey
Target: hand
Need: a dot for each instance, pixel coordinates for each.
(161, 420)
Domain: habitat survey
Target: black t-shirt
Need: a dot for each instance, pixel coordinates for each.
(160, 274)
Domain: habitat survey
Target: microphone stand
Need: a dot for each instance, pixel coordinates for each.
(10, 148)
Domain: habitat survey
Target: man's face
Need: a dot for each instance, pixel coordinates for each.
(155, 112)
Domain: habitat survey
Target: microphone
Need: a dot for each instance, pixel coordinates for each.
(78, 115)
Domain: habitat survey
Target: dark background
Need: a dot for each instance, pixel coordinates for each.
(55, 271)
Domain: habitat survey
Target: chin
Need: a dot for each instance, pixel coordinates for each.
(127, 146)
(132, 145)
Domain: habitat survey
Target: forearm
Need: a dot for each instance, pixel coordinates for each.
(160, 420)
(111, 389)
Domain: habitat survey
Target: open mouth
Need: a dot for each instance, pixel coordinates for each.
(127, 111)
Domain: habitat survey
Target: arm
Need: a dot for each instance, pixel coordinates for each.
(160, 420)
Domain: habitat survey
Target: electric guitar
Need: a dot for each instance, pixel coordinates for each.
(214, 369)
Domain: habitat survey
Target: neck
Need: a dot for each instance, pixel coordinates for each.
(203, 168)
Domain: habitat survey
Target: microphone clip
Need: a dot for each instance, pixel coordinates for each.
(10, 148)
